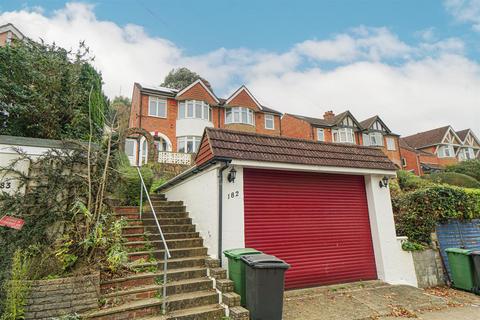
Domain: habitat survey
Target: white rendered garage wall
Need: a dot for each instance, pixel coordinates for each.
(394, 265)
(233, 215)
(200, 195)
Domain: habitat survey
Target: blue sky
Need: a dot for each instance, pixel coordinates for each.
(268, 24)
(397, 59)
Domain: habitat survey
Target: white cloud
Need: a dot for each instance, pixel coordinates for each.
(467, 11)
(367, 70)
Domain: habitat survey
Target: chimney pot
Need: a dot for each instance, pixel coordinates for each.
(328, 115)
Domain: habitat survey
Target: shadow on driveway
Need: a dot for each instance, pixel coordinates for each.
(372, 300)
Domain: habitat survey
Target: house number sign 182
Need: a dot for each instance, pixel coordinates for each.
(233, 194)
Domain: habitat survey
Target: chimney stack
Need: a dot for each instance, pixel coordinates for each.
(328, 115)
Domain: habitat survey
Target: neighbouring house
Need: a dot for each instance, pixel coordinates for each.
(324, 208)
(177, 118)
(433, 150)
(8, 32)
(344, 128)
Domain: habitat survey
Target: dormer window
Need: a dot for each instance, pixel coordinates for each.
(194, 109)
(344, 135)
(239, 115)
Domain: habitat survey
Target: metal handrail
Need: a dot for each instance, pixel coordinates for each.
(143, 188)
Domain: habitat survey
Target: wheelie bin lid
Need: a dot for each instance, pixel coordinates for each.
(458, 250)
(238, 253)
(264, 261)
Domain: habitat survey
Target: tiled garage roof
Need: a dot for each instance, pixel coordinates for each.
(227, 144)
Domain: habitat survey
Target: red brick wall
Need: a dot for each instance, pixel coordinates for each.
(198, 92)
(296, 128)
(243, 99)
(393, 155)
(260, 124)
(3, 39)
(412, 160)
(167, 126)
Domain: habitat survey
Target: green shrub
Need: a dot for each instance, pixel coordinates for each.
(470, 168)
(454, 179)
(408, 181)
(156, 184)
(129, 188)
(16, 288)
(417, 212)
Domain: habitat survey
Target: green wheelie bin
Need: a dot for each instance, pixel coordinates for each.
(236, 269)
(461, 268)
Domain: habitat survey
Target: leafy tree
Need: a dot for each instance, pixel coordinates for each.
(49, 92)
(469, 167)
(181, 78)
(120, 112)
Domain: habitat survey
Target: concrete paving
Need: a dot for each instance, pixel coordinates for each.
(377, 300)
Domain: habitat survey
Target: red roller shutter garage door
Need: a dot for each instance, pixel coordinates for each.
(316, 222)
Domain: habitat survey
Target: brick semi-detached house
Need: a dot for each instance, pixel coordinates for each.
(344, 128)
(8, 32)
(177, 118)
(433, 150)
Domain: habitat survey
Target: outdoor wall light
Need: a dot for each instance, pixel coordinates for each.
(384, 182)
(232, 175)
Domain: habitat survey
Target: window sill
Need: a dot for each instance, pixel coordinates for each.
(151, 115)
(245, 124)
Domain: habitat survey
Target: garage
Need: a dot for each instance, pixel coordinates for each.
(316, 222)
(324, 208)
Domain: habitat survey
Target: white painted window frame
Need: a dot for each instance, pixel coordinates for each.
(232, 111)
(348, 132)
(196, 104)
(320, 133)
(269, 117)
(184, 140)
(391, 145)
(157, 100)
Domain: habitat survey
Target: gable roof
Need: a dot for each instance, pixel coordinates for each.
(10, 27)
(336, 120)
(227, 144)
(199, 81)
(243, 88)
(462, 134)
(404, 145)
(427, 138)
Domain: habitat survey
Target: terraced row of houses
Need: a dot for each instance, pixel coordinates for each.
(177, 119)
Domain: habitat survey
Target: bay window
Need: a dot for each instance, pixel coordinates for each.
(188, 144)
(344, 135)
(157, 107)
(193, 109)
(239, 115)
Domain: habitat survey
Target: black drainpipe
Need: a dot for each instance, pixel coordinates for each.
(220, 208)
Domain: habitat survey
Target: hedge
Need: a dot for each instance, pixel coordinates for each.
(469, 167)
(418, 212)
(453, 178)
(129, 188)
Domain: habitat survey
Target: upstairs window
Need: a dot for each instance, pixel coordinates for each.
(269, 122)
(188, 144)
(470, 153)
(157, 107)
(320, 134)
(344, 135)
(446, 152)
(404, 162)
(391, 144)
(376, 139)
(239, 115)
(194, 109)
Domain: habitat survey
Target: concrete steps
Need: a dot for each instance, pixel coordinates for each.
(190, 292)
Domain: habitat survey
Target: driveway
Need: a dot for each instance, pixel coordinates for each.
(377, 300)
